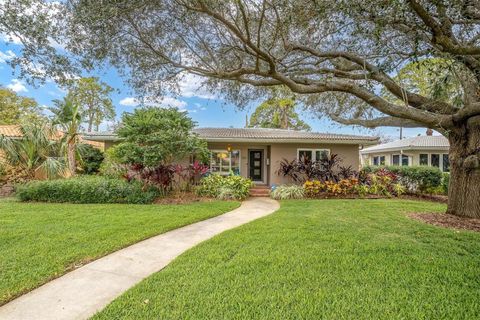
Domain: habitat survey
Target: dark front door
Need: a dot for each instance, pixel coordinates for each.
(255, 162)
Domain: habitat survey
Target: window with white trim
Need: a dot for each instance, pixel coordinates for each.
(313, 154)
(224, 162)
(379, 160)
(400, 159)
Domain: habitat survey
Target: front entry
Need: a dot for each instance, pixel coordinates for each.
(255, 163)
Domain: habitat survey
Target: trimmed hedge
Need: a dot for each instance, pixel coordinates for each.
(415, 179)
(87, 189)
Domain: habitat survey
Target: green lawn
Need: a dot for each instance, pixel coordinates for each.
(40, 241)
(330, 259)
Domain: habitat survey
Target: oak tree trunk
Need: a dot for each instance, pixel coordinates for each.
(464, 188)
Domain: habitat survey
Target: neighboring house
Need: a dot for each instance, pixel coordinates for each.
(256, 153)
(426, 150)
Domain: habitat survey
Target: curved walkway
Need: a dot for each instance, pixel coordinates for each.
(86, 290)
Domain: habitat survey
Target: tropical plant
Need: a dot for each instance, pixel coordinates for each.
(38, 150)
(285, 192)
(67, 115)
(324, 169)
(216, 186)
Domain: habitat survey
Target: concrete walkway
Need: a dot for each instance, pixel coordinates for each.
(86, 290)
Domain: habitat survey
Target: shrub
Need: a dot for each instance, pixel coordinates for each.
(445, 182)
(284, 192)
(414, 179)
(327, 169)
(315, 188)
(87, 189)
(92, 159)
(231, 187)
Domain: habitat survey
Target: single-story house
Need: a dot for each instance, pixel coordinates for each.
(256, 153)
(428, 150)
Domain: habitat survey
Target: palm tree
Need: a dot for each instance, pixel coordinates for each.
(67, 115)
(36, 149)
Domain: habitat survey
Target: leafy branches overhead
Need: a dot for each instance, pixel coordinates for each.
(332, 48)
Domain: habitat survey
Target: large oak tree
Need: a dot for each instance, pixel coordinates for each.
(341, 56)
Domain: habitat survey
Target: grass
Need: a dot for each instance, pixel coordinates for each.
(40, 241)
(327, 259)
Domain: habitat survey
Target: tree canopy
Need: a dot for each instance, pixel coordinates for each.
(279, 114)
(93, 97)
(15, 109)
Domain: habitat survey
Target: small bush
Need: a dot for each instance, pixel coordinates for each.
(92, 159)
(414, 179)
(285, 192)
(315, 188)
(87, 189)
(445, 182)
(231, 187)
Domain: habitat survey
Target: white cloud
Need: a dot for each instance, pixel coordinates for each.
(190, 86)
(6, 56)
(172, 102)
(17, 86)
(162, 102)
(10, 38)
(129, 102)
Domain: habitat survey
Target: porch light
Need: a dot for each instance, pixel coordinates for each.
(229, 148)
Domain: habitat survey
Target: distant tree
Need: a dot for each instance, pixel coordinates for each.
(92, 95)
(15, 109)
(155, 136)
(67, 115)
(277, 113)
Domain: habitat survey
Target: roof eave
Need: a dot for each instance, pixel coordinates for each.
(293, 140)
(429, 148)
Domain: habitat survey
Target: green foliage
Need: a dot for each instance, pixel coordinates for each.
(414, 179)
(445, 182)
(431, 77)
(93, 97)
(110, 167)
(34, 151)
(15, 109)
(224, 187)
(157, 136)
(279, 114)
(91, 158)
(87, 189)
(285, 192)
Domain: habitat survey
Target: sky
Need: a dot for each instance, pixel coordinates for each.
(206, 108)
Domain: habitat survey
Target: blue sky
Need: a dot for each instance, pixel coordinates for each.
(203, 107)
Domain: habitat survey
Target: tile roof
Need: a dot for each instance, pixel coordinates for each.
(275, 134)
(415, 143)
(257, 134)
(10, 130)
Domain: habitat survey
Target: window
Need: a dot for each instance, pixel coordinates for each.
(424, 159)
(396, 158)
(379, 161)
(224, 162)
(313, 154)
(446, 163)
(435, 160)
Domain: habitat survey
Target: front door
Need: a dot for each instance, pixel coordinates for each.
(255, 162)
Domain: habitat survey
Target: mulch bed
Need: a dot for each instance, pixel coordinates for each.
(426, 197)
(448, 221)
